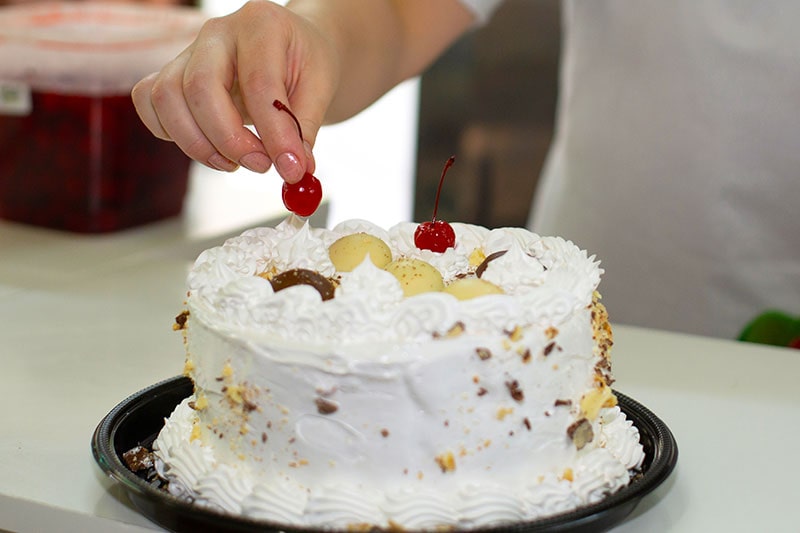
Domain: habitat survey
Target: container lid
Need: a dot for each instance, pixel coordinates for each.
(91, 47)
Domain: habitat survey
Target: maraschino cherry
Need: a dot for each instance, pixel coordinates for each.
(301, 198)
(436, 235)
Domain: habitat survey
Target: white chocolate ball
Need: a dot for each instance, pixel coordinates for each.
(468, 288)
(415, 276)
(350, 251)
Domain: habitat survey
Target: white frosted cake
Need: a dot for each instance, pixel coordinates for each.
(469, 389)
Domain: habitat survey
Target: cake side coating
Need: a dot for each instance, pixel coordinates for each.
(375, 409)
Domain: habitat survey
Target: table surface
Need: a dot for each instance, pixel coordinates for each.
(87, 320)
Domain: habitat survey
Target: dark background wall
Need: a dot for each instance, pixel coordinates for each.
(490, 101)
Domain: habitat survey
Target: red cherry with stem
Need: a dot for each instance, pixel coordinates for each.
(301, 198)
(436, 235)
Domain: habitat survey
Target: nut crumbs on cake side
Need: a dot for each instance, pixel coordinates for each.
(180, 320)
(580, 433)
(446, 462)
(325, 406)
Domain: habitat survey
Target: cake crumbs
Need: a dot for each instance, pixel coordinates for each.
(446, 462)
(515, 335)
(180, 321)
(457, 329)
(580, 433)
(516, 392)
(138, 458)
(325, 406)
(504, 412)
(483, 353)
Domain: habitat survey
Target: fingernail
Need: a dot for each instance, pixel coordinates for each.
(220, 162)
(256, 162)
(289, 167)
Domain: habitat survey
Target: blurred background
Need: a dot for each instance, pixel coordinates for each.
(489, 100)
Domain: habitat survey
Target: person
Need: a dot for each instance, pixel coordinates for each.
(673, 160)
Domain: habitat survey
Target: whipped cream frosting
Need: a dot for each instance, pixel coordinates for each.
(545, 279)
(376, 409)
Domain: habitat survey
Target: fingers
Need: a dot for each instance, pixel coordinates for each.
(230, 75)
(219, 138)
(205, 106)
(289, 75)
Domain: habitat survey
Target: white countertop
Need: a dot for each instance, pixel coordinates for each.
(87, 320)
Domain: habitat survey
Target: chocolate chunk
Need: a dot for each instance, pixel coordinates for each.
(138, 458)
(485, 263)
(303, 276)
(581, 433)
(515, 390)
(180, 320)
(326, 407)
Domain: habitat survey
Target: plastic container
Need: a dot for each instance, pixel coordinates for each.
(73, 153)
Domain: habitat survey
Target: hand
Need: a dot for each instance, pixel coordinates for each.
(229, 77)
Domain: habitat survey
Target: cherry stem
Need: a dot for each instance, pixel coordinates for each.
(447, 165)
(280, 105)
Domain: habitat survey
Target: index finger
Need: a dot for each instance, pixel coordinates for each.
(208, 82)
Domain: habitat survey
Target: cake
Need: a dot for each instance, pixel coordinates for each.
(344, 378)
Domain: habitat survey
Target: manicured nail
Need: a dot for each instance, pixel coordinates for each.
(220, 162)
(256, 162)
(289, 167)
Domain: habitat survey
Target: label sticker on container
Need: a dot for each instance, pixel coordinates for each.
(15, 98)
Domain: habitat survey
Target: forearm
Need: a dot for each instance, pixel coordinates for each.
(380, 43)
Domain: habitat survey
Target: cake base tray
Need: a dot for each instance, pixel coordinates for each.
(137, 420)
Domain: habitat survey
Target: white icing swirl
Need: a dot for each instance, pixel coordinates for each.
(621, 438)
(342, 506)
(483, 504)
(276, 501)
(545, 279)
(419, 509)
(550, 496)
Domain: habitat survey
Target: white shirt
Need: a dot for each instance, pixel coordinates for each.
(676, 157)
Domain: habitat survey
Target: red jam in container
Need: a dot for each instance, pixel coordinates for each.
(73, 153)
